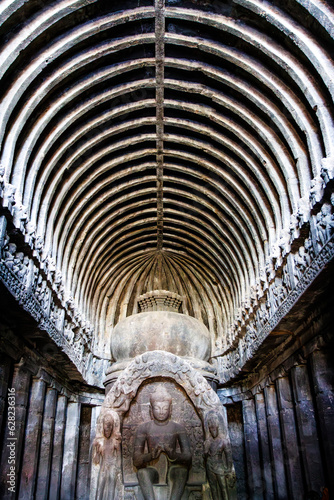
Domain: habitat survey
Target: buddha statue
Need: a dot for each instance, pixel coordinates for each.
(161, 435)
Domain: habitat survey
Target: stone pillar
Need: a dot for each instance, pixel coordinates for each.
(32, 439)
(252, 450)
(44, 465)
(322, 365)
(21, 384)
(5, 366)
(94, 471)
(83, 470)
(58, 445)
(236, 432)
(275, 443)
(71, 444)
(290, 439)
(264, 446)
(310, 450)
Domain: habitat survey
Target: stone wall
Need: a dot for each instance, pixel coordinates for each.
(46, 433)
(287, 426)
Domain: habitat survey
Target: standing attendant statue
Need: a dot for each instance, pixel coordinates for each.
(162, 436)
(219, 464)
(106, 453)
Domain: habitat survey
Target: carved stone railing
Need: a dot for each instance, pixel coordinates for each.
(160, 300)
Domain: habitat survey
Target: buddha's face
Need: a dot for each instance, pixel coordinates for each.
(108, 426)
(161, 410)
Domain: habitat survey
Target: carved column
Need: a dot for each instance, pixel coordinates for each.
(290, 439)
(43, 474)
(83, 469)
(310, 450)
(58, 445)
(32, 439)
(264, 446)
(275, 443)
(252, 450)
(21, 383)
(5, 365)
(236, 433)
(322, 365)
(71, 444)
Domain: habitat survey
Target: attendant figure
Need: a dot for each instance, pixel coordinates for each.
(106, 452)
(219, 464)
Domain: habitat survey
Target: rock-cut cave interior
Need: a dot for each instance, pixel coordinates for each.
(166, 249)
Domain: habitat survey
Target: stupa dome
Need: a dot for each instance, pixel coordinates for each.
(160, 330)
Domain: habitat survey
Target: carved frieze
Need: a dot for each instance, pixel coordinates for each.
(39, 292)
(267, 318)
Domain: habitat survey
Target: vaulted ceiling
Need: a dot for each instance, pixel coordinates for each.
(164, 145)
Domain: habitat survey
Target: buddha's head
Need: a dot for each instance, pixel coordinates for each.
(161, 405)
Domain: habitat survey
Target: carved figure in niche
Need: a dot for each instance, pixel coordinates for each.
(106, 453)
(161, 435)
(30, 232)
(219, 464)
(299, 263)
(20, 266)
(317, 190)
(324, 225)
(9, 255)
(8, 195)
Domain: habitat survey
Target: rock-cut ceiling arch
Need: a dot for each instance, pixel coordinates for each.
(164, 145)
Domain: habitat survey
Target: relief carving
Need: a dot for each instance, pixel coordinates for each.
(219, 463)
(324, 225)
(9, 254)
(165, 451)
(106, 453)
(162, 435)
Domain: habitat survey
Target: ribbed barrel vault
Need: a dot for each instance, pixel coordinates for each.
(164, 145)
